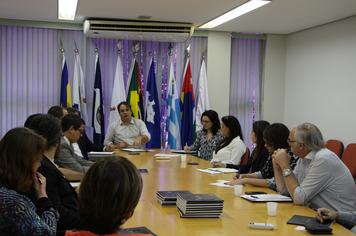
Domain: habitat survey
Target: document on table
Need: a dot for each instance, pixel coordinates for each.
(134, 149)
(218, 170)
(164, 156)
(222, 183)
(267, 198)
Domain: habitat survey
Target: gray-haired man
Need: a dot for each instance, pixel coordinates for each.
(320, 178)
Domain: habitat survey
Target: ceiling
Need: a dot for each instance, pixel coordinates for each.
(278, 17)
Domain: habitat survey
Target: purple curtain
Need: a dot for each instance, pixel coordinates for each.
(29, 73)
(30, 67)
(245, 82)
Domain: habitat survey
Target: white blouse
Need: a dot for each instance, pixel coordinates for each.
(232, 153)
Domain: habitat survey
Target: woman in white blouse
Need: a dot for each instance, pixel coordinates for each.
(232, 147)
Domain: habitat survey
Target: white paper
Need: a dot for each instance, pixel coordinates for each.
(75, 184)
(223, 170)
(217, 170)
(134, 149)
(166, 155)
(101, 153)
(267, 198)
(209, 171)
(300, 228)
(221, 183)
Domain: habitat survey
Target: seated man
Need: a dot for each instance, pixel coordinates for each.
(347, 219)
(84, 145)
(320, 178)
(57, 111)
(72, 128)
(126, 132)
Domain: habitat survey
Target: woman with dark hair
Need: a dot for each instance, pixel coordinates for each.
(108, 196)
(59, 190)
(259, 155)
(232, 147)
(209, 137)
(275, 137)
(21, 152)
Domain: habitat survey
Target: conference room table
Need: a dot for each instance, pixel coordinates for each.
(174, 174)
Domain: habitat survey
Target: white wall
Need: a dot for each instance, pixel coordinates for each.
(320, 85)
(218, 71)
(272, 107)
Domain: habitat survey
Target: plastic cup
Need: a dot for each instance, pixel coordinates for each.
(272, 208)
(183, 157)
(238, 189)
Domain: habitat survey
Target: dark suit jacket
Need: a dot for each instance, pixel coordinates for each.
(86, 145)
(61, 194)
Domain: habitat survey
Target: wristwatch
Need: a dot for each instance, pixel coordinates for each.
(286, 172)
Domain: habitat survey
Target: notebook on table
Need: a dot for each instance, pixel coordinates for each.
(168, 197)
(303, 220)
(311, 224)
(192, 205)
(267, 198)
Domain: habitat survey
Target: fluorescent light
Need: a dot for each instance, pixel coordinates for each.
(236, 12)
(67, 9)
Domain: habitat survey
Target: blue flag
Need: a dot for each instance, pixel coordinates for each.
(66, 98)
(153, 116)
(173, 112)
(98, 114)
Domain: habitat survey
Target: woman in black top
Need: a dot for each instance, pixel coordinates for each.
(60, 192)
(259, 155)
(275, 137)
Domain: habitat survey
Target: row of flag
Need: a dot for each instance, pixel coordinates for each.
(183, 119)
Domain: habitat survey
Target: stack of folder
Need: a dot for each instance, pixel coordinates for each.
(199, 205)
(168, 197)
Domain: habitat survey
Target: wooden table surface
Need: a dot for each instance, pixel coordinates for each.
(237, 213)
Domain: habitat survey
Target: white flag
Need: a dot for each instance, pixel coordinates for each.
(79, 97)
(202, 96)
(118, 92)
(173, 112)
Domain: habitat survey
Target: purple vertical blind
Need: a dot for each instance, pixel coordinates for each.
(30, 67)
(29, 71)
(245, 82)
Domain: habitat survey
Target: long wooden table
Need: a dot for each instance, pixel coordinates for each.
(176, 175)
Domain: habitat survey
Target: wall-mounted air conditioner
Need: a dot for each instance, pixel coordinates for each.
(138, 30)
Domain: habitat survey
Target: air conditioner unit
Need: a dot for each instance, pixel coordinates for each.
(138, 30)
